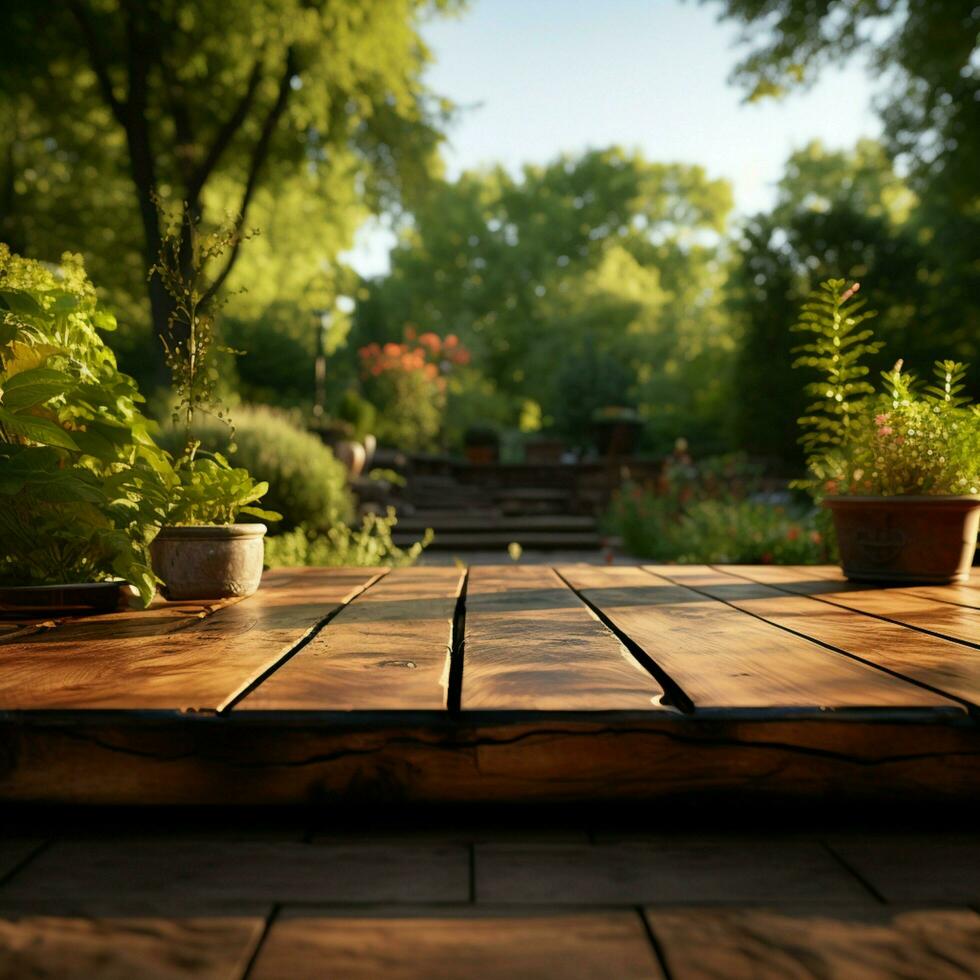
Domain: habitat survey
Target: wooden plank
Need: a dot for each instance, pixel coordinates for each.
(931, 868)
(243, 759)
(457, 946)
(387, 650)
(860, 943)
(722, 658)
(956, 622)
(733, 870)
(963, 594)
(172, 658)
(532, 644)
(949, 667)
(154, 876)
(214, 948)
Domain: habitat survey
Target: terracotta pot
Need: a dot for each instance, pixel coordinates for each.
(481, 455)
(209, 561)
(906, 539)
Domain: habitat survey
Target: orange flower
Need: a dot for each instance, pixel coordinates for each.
(431, 340)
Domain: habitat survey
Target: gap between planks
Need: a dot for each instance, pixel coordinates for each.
(723, 658)
(303, 641)
(949, 621)
(930, 662)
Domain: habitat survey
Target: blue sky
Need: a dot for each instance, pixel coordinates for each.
(536, 78)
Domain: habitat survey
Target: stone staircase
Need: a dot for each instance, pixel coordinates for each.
(469, 514)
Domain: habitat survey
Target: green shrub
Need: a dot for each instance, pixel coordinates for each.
(712, 512)
(306, 484)
(368, 545)
(83, 488)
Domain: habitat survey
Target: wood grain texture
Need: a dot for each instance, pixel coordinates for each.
(722, 658)
(532, 644)
(915, 867)
(130, 876)
(787, 944)
(64, 948)
(963, 594)
(172, 658)
(389, 649)
(732, 871)
(901, 606)
(324, 762)
(437, 944)
(951, 668)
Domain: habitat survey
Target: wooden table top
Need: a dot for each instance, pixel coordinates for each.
(451, 647)
(516, 638)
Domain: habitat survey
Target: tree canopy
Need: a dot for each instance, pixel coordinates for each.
(925, 49)
(297, 108)
(601, 255)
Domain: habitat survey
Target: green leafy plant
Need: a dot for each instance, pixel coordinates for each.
(83, 487)
(208, 489)
(716, 510)
(211, 491)
(907, 439)
(369, 545)
(306, 484)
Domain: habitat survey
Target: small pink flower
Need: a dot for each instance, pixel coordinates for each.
(881, 419)
(885, 430)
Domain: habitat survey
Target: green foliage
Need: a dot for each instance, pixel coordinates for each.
(926, 50)
(358, 413)
(843, 214)
(412, 409)
(369, 545)
(186, 253)
(603, 252)
(839, 346)
(83, 487)
(906, 440)
(211, 491)
(315, 112)
(306, 484)
(715, 512)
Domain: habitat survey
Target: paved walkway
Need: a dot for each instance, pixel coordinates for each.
(233, 895)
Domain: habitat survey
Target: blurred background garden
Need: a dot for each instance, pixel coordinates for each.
(524, 272)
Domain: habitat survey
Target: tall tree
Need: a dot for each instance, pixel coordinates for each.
(207, 103)
(838, 214)
(603, 255)
(925, 49)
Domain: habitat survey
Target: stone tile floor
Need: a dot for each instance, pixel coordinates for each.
(563, 894)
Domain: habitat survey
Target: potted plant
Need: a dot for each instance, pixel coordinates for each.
(481, 445)
(202, 552)
(899, 469)
(83, 487)
(617, 429)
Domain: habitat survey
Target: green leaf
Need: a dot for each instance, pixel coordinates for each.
(37, 429)
(34, 387)
(20, 302)
(266, 515)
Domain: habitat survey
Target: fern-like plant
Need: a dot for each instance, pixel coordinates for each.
(909, 439)
(840, 342)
